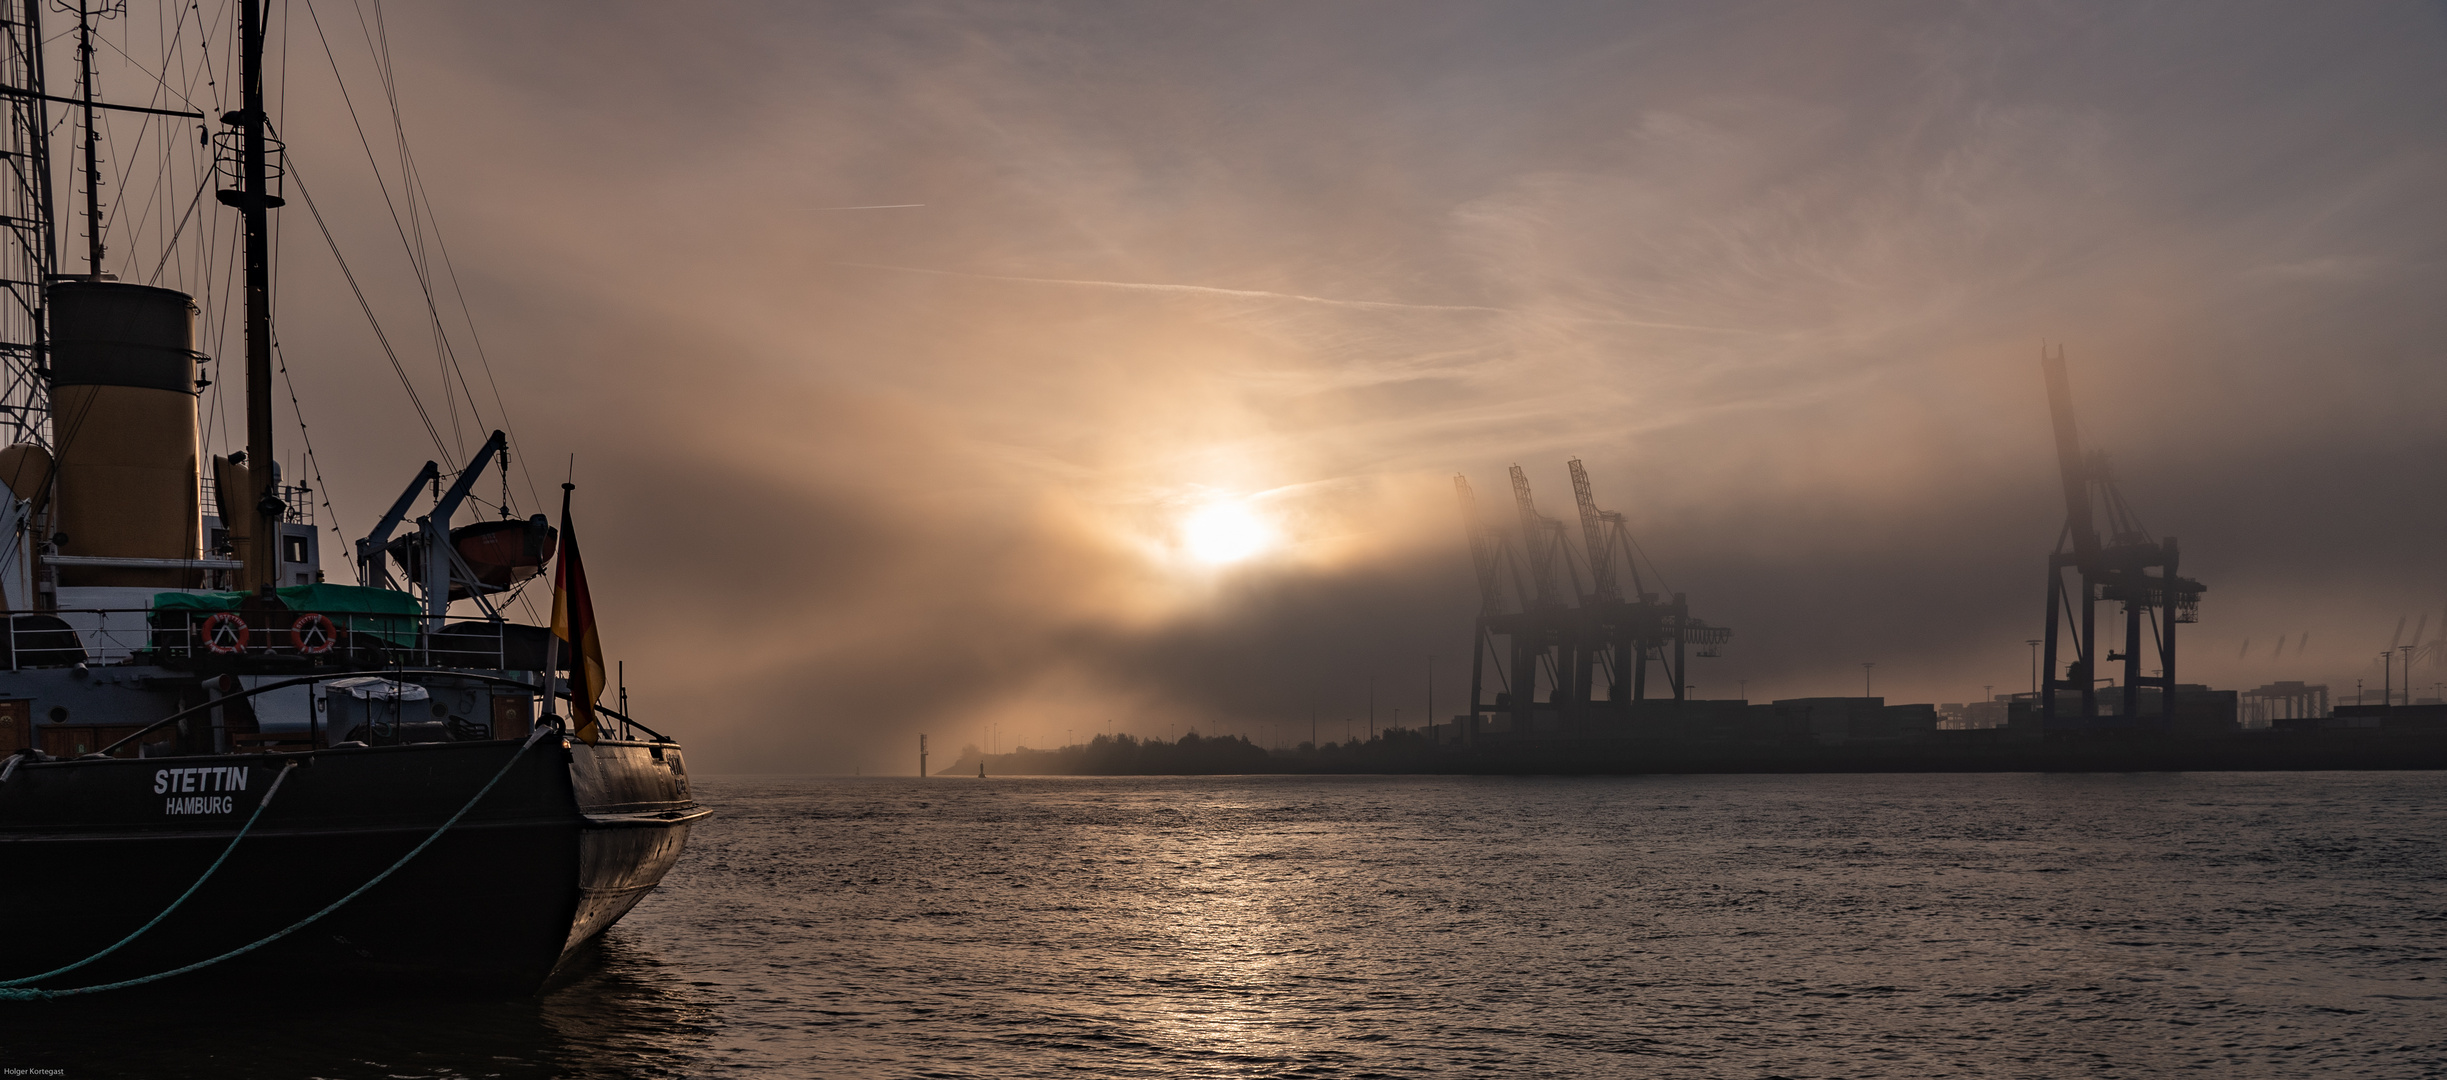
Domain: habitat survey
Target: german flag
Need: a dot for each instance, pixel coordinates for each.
(573, 621)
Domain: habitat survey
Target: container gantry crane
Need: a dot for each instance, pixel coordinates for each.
(1560, 637)
(2117, 570)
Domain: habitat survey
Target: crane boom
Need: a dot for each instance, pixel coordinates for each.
(1482, 554)
(2114, 572)
(370, 549)
(1533, 538)
(1593, 532)
(2069, 460)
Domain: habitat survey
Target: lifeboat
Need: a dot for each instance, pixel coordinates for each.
(501, 554)
(504, 553)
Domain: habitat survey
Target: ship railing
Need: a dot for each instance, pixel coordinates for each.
(98, 637)
(297, 500)
(344, 643)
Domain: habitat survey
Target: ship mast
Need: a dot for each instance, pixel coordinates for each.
(93, 138)
(261, 550)
(28, 246)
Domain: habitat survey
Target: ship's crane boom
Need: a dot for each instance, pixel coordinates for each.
(441, 563)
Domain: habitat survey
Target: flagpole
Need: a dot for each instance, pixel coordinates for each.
(552, 636)
(573, 621)
(552, 676)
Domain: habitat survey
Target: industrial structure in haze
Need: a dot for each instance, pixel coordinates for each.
(2278, 701)
(1577, 666)
(1580, 659)
(1568, 636)
(2115, 569)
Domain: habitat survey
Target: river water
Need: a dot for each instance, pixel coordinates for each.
(2228, 925)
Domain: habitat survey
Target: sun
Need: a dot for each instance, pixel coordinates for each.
(1225, 533)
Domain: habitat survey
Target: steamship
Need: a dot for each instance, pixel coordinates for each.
(222, 764)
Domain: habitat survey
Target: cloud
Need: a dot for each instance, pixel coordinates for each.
(1196, 290)
(1778, 273)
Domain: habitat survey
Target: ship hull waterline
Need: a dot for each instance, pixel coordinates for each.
(569, 840)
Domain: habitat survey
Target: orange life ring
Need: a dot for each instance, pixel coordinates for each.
(225, 633)
(313, 634)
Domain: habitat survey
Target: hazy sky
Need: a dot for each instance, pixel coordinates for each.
(1778, 273)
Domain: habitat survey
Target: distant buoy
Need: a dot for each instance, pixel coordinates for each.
(981, 770)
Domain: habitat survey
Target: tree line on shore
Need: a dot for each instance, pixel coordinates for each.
(1199, 755)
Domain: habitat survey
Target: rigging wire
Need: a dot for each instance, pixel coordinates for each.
(518, 449)
(413, 233)
(423, 278)
(388, 352)
(419, 232)
(445, 360)
(413, 184)
(313, 464)
(169, 247)
(280, 358)
(485, 362)
(1652, 563)
(213, 252)
(144, 130)
(229, 277)
(165, 86)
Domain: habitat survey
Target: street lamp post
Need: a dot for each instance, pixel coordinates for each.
(2034, 644)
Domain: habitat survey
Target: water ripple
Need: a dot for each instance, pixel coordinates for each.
(2235, 925)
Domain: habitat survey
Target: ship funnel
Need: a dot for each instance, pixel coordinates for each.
(123, 421)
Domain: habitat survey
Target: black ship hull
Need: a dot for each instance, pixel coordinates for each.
(570, 838)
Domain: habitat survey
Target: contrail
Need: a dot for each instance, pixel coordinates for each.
(1260, 294)
(1210, 290)
(885, 206)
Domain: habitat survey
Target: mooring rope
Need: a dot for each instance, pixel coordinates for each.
(14, 991)
(182, 897)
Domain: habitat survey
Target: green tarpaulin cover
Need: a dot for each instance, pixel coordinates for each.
(384, 612)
